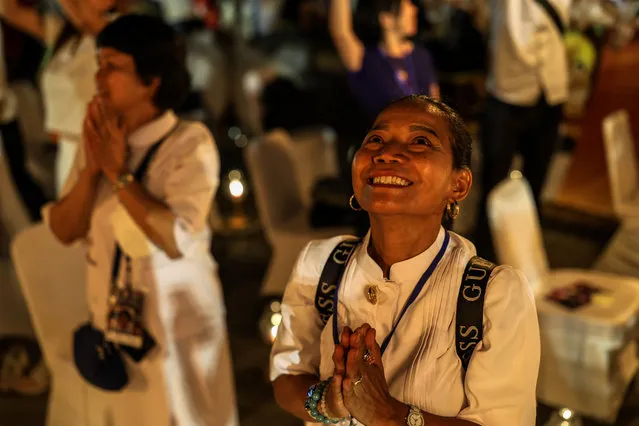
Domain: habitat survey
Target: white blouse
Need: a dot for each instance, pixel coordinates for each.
(421, 365)
(188, 376)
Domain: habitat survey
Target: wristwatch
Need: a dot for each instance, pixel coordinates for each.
(415, 417)
(122, 181)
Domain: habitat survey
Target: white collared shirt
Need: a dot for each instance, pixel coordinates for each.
(421, 364)
(527, 53)
(184, 300)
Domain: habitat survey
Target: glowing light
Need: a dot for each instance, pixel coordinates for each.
(235, 175)
(274, 332)
(234, 133)
(241, 141)
(236, 188)
(276, 319)
(566, 414)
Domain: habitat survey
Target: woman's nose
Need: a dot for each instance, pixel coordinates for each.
(100, 74)
(390, 153)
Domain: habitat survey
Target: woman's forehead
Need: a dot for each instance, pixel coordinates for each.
(109, 52)
(407, 114)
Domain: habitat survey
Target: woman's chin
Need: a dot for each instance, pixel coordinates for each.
(386, 207)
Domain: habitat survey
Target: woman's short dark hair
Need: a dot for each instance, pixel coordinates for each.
(389, 6)
(157, 52)
(366, 18)
(461, 141)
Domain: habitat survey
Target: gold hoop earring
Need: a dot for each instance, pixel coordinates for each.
(452, 210)
(352, 201)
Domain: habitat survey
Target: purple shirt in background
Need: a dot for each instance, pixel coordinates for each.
(376, 84)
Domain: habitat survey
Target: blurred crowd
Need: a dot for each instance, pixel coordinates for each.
(83, 89)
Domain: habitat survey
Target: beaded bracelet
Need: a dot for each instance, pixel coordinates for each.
(314, 396)
(323, 410)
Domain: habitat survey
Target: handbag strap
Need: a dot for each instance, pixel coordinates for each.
(331, 275)
(469, 324)
(469, 328)
(139, 176)
(552, 13)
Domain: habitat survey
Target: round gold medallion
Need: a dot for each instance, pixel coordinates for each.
(371, 294)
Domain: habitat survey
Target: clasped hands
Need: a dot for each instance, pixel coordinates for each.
(358, 387)
(104, 140)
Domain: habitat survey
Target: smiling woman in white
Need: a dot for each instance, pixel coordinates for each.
(158, 221)
(400, 292)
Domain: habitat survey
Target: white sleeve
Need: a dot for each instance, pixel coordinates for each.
(190, 186)
(297, 347)
(72, 178)
(501, 380)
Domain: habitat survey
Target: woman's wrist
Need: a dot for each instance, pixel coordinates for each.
(394, 414)
(90, 175)
(315, 404)
(324, 408)
(114, 175)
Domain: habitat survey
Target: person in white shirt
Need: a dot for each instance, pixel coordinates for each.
(68, 67)
(527, 85)
(158, 223)
(411, 170)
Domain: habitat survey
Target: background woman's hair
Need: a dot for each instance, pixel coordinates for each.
(366, 18)
(157, 52)
(461, 142)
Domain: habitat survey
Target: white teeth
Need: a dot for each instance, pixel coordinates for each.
(390, 180)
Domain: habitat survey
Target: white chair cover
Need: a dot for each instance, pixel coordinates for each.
(315, 155)
(52, 278)
(515, 228)
(588, 354)
(281, 207)
(622, 164)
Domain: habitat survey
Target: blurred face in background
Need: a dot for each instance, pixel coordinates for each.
(403, 23)
(119, 84)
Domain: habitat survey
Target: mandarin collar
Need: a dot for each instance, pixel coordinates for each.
(153, 131)
(409, 270)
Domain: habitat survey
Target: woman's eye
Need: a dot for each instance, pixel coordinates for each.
(374, 140)
(422, 141)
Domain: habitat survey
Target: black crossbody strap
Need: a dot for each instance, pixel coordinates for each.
(139, 175)
(331, 275)
(469, 328)
(554, 16)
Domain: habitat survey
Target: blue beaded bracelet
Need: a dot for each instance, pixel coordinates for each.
(313, 398)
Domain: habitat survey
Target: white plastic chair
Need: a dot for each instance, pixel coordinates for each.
(52, 278)
(315, 155)
(14, 216)
(588, 354)
(622, 164)
(281, 207)
(621, 255)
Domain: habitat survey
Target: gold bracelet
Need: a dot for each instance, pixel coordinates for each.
(122, 181)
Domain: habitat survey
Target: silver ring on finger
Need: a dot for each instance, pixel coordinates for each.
(359, 380)
(369, 358)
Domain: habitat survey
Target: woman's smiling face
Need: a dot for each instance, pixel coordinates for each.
(405, 165)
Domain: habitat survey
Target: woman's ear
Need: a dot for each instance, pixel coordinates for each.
(462, 182)
(153, 86)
